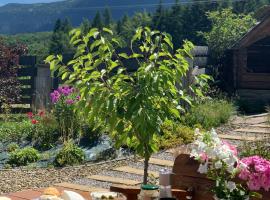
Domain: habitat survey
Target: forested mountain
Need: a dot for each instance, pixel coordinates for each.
(20, 18)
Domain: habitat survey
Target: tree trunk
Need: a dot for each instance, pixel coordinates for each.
(146, 165)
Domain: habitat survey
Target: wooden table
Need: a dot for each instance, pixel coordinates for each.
(33, 194)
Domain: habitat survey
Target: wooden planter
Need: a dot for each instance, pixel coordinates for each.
(184, 178)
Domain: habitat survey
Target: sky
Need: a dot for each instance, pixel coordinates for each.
(3, 2)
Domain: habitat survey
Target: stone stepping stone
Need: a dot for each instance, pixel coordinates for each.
(261, 125)
(256, 120)
(254, 130)
(242, 138)
(155, 161)
(79, 187)
(131, 170)
(258, 115)
(116, 180)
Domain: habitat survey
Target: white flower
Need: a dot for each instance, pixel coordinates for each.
(203, 168)
(218, 164)
(231, 185)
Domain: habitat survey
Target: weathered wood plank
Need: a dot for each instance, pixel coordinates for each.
(116, 180)
(79, 187)
(131, 170)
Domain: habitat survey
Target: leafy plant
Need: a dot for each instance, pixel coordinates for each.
(209, 113)
(70, 154)
(174, 134)
(45, 130)
(227, 28)
(258, 148)
(23, 157)
(131, 105)
(12, 147)
(64, 99)
(16, 131)
(9, 64)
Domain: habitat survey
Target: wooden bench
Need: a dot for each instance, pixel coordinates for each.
(186, 182)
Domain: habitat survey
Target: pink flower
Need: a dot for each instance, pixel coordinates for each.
(30, 115)
(257, 173)
(203, 157)
(231, 147)
(69, 101)
(34, 121)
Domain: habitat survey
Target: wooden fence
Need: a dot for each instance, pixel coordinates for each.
(37, 83)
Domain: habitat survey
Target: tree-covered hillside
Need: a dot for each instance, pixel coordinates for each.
(21, 18)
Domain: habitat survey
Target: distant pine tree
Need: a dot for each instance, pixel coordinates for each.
(107, 16)
(85, 26)
(97, 21)
(60, 39)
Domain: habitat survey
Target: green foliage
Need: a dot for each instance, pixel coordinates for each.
(12, 147)
(37, 43)
(46, 133)
(98, 21)
(59, 43)
(16, 131)
(227, 28)
(258, 148)
(131, 105)
(23, 157)
(127, 26)
(209, 113)
(174, 134)
(70, 154)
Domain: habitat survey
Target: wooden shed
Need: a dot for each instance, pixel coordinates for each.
(248, 72)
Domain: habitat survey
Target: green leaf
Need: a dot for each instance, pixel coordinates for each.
(107, 30)
(123, 55)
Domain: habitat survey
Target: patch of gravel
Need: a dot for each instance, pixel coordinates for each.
(152, 167)
(92, 183)
(122, 175)
(21, 179)
(164, 156)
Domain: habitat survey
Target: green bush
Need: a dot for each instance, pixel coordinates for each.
(12, 147)
(46, 133)
(16, 131)
(70, 154)
(174, 134)
(259, 148)
(209, 114)
(23, 157)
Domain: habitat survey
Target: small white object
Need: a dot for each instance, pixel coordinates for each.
(4, 198)
(99, 195)
(70, 195)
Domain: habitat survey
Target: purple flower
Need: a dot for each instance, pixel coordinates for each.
(78, 98)
(55, 96)
(69, 101)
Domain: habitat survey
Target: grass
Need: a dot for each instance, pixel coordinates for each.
(209, 114)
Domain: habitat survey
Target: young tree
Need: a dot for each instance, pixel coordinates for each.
(227, 28)
(132, 105)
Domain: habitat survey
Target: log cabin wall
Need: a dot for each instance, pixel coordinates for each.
(249, 65)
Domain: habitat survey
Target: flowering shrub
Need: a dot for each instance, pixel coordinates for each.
(45, 130)
(220, 163)
(257, 173)
(63, 100)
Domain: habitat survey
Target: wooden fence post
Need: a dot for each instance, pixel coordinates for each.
(43, 87)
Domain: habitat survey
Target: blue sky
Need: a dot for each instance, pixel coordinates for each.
(3, 2)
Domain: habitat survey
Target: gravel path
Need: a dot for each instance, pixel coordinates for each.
(17, 179)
